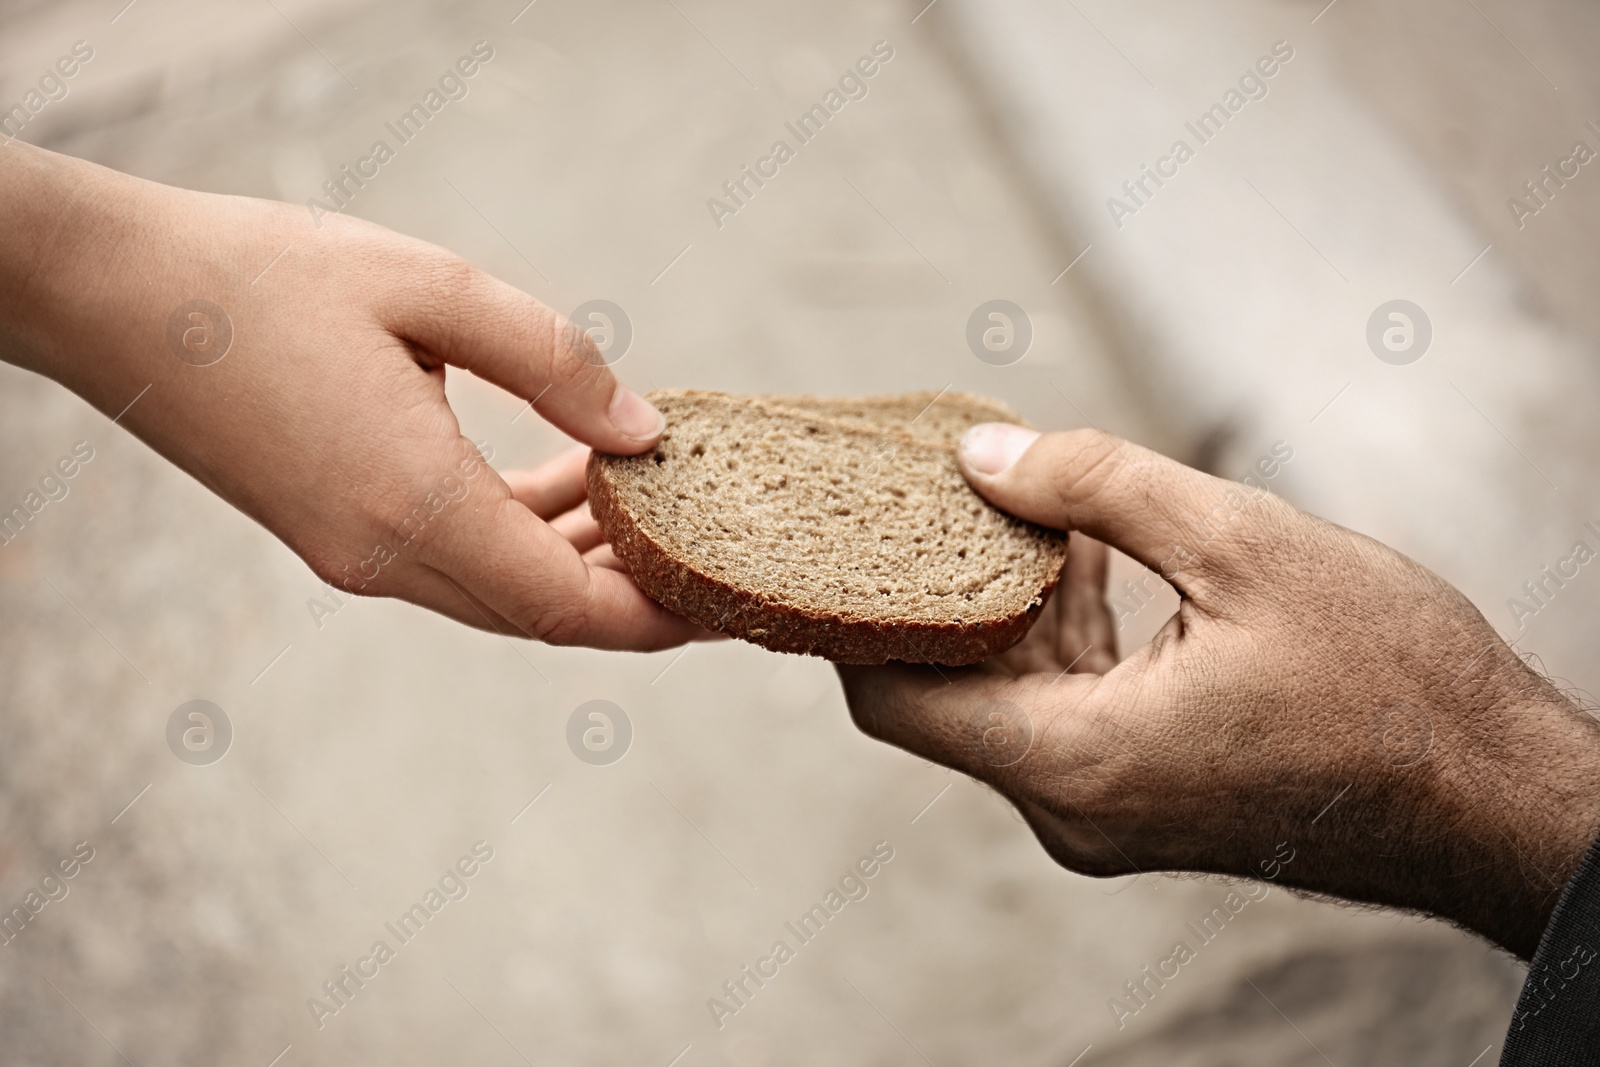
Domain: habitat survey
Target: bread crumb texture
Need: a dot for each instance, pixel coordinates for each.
(833, 527)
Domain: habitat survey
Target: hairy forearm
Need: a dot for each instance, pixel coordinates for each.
(1482, 827)
(1525, 798)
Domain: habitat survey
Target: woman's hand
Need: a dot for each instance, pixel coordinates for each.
(298, 371)
(1316, 695)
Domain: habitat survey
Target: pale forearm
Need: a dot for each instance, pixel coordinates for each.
(75, 287)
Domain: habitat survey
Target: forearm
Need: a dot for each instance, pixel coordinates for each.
(95, 266)
(1482, 827)
(1524, 799)
(84, 291)
(44, 235)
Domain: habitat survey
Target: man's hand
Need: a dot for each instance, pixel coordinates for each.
(1314, 689)
(325, 416)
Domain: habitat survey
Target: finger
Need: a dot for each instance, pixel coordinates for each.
(426, 587)
(1075, 633)
(471, 320)
(579, 528)
(1163, 514)
(978, 723)
(1028, 739)
(602, 556)
(1086, 637)
(553, 487)
(1039, 652)
(521, 568)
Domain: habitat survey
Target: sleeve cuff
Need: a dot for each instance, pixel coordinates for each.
(1557, 1018)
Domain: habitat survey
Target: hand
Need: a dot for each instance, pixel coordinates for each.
(558, 492)
(1317, 696)
(326, 419)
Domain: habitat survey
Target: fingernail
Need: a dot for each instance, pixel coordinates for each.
(634, 417)
(992, 447)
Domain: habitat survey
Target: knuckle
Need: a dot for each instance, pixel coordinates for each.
(454, 297)
(344, 571)
(556, 629)
(324, 567)
(561, 622)
(1071, 841)
(1091, 864)
(337, 230)
(456, 284)
(573, 352)
(360, 568)
(452, 277)
(551, 628)
(1084, 464)
(874, 708)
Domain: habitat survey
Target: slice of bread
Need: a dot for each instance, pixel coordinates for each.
(935, 418)
(839, 528)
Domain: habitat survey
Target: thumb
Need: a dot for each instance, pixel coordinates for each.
(1163, 514)
(466, 318)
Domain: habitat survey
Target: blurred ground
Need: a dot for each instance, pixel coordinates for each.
(374, 750)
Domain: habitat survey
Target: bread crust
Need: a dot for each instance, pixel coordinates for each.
(681, 586)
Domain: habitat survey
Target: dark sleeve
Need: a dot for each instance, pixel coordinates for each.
(1557, 1019)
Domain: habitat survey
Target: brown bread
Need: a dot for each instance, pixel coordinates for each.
(839, 528)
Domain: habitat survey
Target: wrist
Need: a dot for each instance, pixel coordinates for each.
(1524, 794)
(40, 232)
(71, 284)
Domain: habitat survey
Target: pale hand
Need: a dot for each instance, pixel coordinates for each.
(325, 416)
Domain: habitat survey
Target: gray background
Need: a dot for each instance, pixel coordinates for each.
(370, 753)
